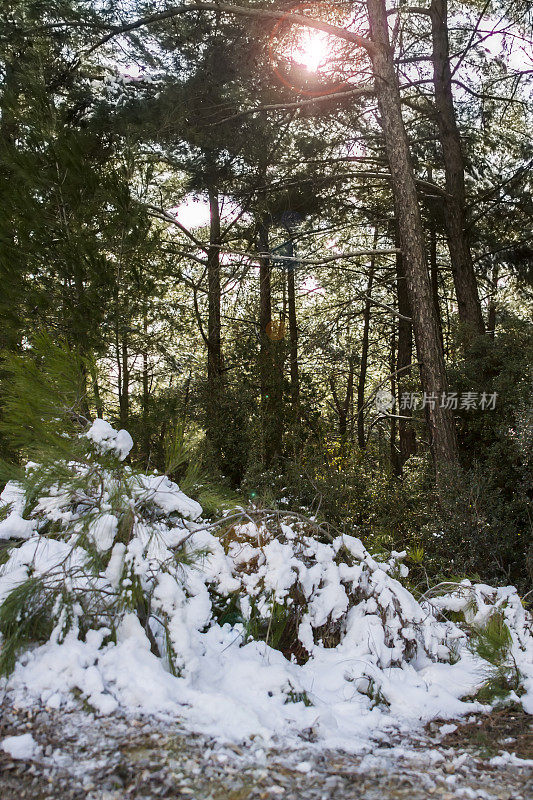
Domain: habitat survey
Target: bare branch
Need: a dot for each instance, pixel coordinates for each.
(226, 8)
(358, 92)
(165, 215)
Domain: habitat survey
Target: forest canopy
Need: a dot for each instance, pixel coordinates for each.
(287, 247)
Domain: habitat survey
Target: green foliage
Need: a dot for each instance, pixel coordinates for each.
(86, 255)
(492, 642)
(44, 404)
(346, 489)
(292, 696)
(374, 692)
(43, 418)
(184, 463)
(477, 530)
(25, 617)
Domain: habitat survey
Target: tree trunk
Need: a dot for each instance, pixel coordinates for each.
(343, 408)
(434, 273)
(146, 387)
(124, 400)
(216, 413)
(406, 431)
(293, 331)
(394, 453)
(425, 324)
(454, 205)
(361, 440)
(214, 344)
(98, 402)
(118, 361)
(271, 385)
(491, 320)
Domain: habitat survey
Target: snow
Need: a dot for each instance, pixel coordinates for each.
(510, 758)
(167, 495)
(107, 439)
(377, 660)
(20, 747)
(103, 531)
(14, 526)
(444, 730)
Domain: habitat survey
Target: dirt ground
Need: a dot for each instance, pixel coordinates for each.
(509, 728)
(111, 758)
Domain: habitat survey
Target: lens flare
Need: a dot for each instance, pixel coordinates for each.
(312, 50)
(313, 62)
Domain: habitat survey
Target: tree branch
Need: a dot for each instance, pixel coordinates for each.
(226, 8)
(359, 92)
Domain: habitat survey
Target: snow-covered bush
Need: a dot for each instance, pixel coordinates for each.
(304, 594)
(135, 599)
(88, 539)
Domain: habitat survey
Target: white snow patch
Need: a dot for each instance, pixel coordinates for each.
(20, 747)
(107, 439)
(15, 526)
(444, 730)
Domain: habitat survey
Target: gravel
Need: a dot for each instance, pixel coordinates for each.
(81, 755)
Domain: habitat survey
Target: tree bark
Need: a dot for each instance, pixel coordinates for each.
(146, 386)
(491, 319)
(343, 408)
(271, 385)
(216, 413)
(124, 400)
(425, 324)
(434, 273)
(293, 331)
(361, 440)
(214, 343)
(407, 436)
(394, 452)
(464, 276)
(98, 402)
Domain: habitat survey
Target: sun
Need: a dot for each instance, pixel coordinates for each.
(312, 50)
(310, 61)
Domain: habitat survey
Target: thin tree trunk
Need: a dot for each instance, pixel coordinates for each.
(394, 453)
(454, 205)
(271, 386)
(214, 342)
(364, 350)
(125, 394)
(348, 403)
(434, 273)
(99, 405)
(343, 409)
(430, 354)
(216, 422)
(146, 387)
(119, 363)
(293, 331)
(434, 265)
(408, 446)
(491, 320)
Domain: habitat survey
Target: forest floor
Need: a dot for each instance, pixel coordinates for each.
(114, 757)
